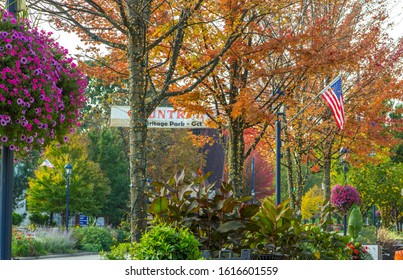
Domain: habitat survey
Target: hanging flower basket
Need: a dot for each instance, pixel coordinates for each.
(343, 197)
(41, 90)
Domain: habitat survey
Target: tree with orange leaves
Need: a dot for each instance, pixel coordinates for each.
(288, 57)
(247, 86)
(153, 51)
(351, 35)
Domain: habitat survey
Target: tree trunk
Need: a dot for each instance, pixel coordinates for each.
(138, 214)
(327, 162)
(138, 136)
(290, 177)
(136, 55)
(299, 185)
(236, 149)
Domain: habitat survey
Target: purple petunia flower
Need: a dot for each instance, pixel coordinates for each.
(343, 197)
(31, 86)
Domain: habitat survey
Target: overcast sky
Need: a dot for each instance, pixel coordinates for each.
(396, 12)
(71, 41)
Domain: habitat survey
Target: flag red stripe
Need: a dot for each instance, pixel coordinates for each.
(336, 106)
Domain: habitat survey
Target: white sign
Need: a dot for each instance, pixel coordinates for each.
(375, 251)
(162, 117)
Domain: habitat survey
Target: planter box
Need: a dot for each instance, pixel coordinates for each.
(228, 255)
(272, 256)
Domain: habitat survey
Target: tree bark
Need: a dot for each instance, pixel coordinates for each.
(299, 184)
(290, 177)
(236, 150)
(136, 55)
(327, 164)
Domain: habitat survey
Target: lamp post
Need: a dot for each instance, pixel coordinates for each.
(68, 170)
(253, 180)
(6, 202)
(343, 152)
(280, 111)
(6, 184)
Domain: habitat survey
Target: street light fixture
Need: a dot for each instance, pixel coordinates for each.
(68, 169)
(280, 112)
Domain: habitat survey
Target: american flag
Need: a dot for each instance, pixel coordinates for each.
(333, 95)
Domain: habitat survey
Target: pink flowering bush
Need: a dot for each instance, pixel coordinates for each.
(41, 90)
(343, 197)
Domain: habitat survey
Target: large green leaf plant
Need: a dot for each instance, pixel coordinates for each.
(212, 213)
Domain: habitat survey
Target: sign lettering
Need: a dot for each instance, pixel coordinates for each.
(161, 117)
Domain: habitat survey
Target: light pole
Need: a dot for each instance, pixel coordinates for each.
(68, 170)
(280, 112)
(343, 152)
(6, 184)
(253, 180)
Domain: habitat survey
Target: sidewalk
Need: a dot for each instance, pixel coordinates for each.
(78, 256)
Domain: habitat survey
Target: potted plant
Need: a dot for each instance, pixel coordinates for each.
(343, 198)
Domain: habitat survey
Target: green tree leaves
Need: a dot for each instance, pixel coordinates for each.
(88, 189)
(107, 150)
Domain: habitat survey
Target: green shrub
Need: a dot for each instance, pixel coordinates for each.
(39, 219)
(213, 214)
(17, 219)
(121, 234)
(93, 239)
(161, 242)
(319, 244)
(25, 245)
(367, 235)
(122, 251)
(276, 230)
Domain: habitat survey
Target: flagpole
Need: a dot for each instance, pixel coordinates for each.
(310, 102)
